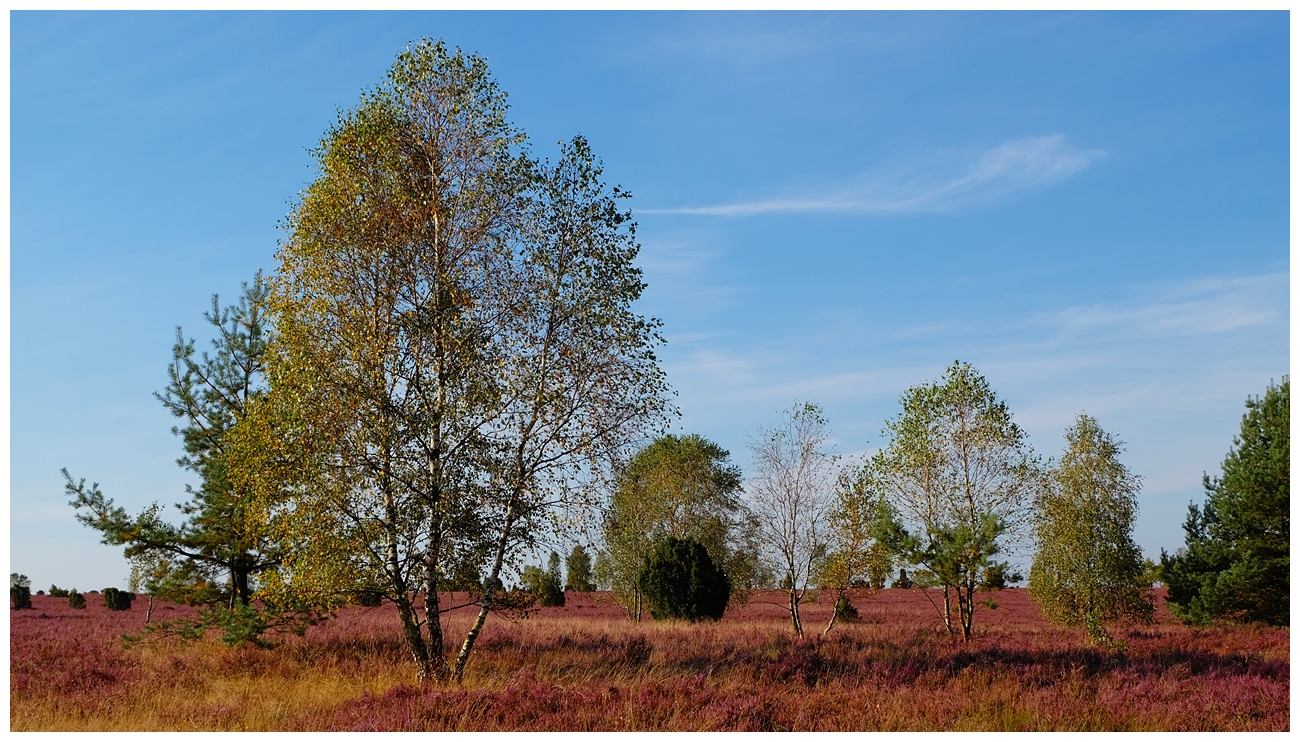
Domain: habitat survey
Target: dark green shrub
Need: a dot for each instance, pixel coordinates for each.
(117, 600)
(903, 580)
(20, 591)
(76, 599)
(845, 612)
(58, 592)
(680, 580)
(998, 576)
(368, 598)
(241, 624)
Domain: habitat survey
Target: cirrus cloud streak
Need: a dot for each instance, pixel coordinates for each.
(978, 178)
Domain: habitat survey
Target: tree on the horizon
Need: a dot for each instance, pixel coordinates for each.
(578, 570)
(792, 500)
(1087, 570)
(856, 558)
(958, 478)
(215, 556)
(686, 487)
(20, 591)
(543, 584)
(1235, 565)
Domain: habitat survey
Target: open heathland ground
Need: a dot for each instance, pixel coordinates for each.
(585, 667)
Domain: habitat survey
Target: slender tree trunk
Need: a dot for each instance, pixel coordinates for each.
(414, 639)
(839, 594)
(968, 614)
(835, 610)
(426, 667)
(433, 620)
(148, 614)
(947, 609)
(432, 602)
(489, 587)
(795, 598)
(432, 555)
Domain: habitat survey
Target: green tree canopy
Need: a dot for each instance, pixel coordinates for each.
(1235, 565)
(457, 361)
(683, 487)
(579, 570)
(958, 477)
(1087, 569)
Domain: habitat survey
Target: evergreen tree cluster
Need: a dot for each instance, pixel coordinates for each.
(1235, 565)
(545, 585)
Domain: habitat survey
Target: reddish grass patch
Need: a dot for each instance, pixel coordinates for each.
(585, 667)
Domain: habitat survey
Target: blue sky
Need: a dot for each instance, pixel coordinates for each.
(1091, 208)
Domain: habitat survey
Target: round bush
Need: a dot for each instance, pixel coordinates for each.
(117, 600)
(679, 580)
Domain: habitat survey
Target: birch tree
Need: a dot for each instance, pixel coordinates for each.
(791, 497)
(457, 354)
(959, 479)
(1087, 569)
(856, 558)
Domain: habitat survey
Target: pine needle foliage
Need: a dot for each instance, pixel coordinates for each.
(1235, 566)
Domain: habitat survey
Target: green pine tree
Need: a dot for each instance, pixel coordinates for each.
(1235, 565)
(210, 394)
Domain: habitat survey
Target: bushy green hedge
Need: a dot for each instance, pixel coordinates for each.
(680, 580)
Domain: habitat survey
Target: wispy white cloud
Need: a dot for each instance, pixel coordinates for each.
(1205, 306)
(980, 177)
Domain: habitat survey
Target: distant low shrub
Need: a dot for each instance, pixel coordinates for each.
(368, 598)
(76, 599)
(118, 600)
(998, 576)
(58, 592)
(680, 580)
